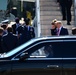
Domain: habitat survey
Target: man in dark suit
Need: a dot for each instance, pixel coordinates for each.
(27, 32)
(1, 33)
(15, 26)
(66, 9)
(9, 41)
(59, 30)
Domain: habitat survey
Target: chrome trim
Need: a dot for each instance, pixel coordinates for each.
(48, 59)
(69, 40)
(69, 58)
(44, 59)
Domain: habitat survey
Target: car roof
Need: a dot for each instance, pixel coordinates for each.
(56, 37)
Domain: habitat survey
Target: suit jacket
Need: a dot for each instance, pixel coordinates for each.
(29, 33)
(64, 31)
(9, 42)
(14, 28)
(26, 34)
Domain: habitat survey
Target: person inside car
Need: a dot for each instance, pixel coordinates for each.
(48, 51)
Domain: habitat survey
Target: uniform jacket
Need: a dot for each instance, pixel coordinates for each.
(26, 34)
(14, 28)
(9, 42)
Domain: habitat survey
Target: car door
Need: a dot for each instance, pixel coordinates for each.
(5, 66)
(43, 58)
(69, 57)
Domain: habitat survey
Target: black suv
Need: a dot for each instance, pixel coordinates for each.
(41, 56)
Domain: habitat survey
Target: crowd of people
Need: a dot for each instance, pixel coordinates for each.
(15, 35)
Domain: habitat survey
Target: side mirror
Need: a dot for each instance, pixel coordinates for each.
(23, 56)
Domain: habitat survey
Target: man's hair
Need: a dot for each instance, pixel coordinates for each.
(17, 20)
(9, 29)
(4, 26)
(58, 22)
(27, 20)
(1, 30)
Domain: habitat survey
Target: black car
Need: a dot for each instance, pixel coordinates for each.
(41, 56)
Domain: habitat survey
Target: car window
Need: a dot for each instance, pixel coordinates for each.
(47, 50)
(44, 50)
(69, 49)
